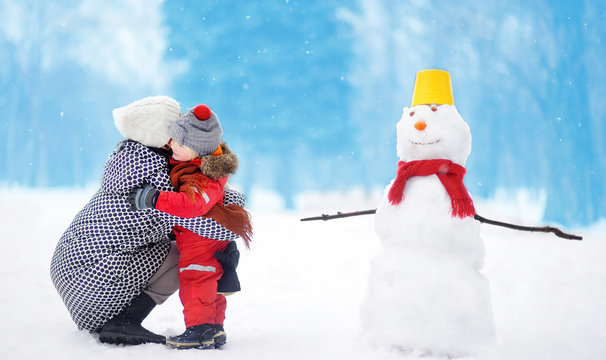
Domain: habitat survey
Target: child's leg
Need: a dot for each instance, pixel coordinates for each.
(220, 307)
(199, 271)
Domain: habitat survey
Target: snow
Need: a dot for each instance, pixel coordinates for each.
(303, 284)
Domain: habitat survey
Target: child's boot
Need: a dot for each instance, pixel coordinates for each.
(205, 336)
(221, 336)
(125, 328)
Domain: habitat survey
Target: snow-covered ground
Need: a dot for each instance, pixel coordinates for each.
(303, 283)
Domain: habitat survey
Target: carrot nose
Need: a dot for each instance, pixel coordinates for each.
(420, 125)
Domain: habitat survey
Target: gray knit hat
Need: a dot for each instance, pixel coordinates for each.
(199, 130)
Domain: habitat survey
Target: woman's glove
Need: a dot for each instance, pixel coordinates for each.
(229, 258)
(143, 197)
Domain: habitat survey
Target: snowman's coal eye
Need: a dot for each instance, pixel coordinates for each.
(411, 113)
(434, 109)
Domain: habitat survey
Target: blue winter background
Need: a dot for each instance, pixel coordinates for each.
(309, 92)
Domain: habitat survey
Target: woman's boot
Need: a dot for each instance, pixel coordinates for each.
(125, 328)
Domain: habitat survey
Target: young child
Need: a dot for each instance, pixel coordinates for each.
(201, 165)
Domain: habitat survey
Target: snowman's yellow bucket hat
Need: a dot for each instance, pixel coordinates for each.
(432, 86)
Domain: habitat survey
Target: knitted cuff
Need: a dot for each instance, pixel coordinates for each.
(147, 197)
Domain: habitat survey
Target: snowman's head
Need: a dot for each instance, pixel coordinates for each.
(428, 132)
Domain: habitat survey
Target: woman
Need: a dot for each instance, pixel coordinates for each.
(113, 265)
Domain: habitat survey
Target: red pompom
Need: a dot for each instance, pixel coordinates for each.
(202, 112)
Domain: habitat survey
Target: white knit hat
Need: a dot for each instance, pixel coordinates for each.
(147, 120)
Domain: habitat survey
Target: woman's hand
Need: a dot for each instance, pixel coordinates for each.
(229, 257)
(143, 197)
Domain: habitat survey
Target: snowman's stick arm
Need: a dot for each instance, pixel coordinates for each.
(557, 232)
(339, 215)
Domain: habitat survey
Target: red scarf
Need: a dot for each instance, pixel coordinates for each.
(187, 177)
(449, 173)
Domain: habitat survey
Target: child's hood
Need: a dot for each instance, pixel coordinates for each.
(218, 166)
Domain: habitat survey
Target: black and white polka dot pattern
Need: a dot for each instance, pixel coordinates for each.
(108, 254)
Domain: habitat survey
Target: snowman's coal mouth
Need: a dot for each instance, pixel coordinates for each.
(425, 143)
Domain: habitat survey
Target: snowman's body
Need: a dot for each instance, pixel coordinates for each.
(425, 289)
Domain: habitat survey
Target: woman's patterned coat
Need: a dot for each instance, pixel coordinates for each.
(108, 254)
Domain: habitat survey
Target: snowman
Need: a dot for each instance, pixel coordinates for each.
(426, 294)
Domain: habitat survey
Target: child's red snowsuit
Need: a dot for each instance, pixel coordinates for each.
(199, 270)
